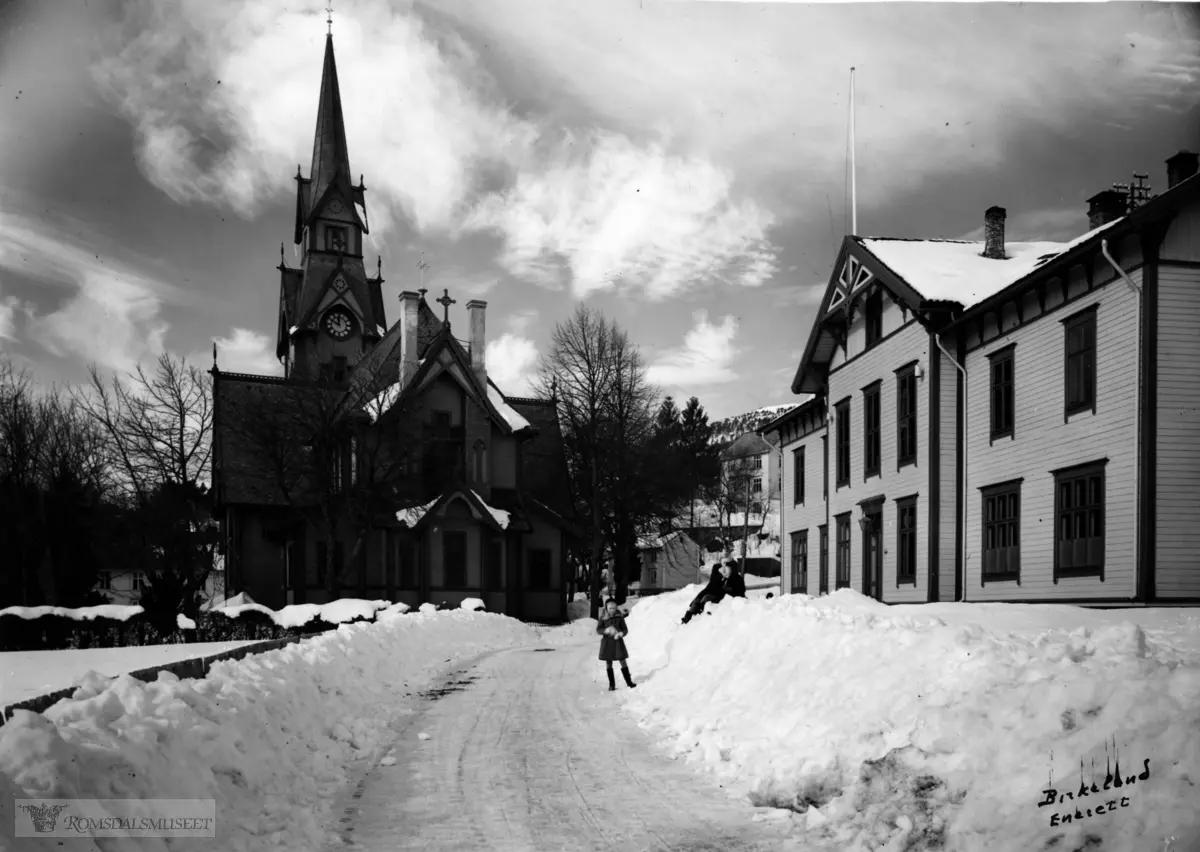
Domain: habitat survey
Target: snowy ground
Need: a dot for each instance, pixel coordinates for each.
(28, 674)
(274, 738)
(896, 728)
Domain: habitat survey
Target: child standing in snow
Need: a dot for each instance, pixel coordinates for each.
(612, 630)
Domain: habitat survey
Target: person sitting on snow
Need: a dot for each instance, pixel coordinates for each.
(712, 593)
(735, 583)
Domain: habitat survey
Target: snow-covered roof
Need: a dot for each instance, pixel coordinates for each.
(502, 517)
(382, 401)
(510, 415)
(412, 516)
(957, 270)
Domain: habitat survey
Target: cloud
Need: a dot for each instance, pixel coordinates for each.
(511, 363)
(606, 213)
(244, 351)
(220, 98)
(8, 317)
(112, 317)
(704, 358)
(1050, 224)
(517, 321)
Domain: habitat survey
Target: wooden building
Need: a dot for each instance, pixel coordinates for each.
(385, 463)
(1005, 421)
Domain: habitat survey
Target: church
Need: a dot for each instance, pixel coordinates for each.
(384, 463)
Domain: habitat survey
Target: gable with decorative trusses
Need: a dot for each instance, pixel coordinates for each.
(799, 422)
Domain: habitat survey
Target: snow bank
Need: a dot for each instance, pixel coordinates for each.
(298, 615)
(472, 604)
(270, 737)
(83, 613)
(891, 731)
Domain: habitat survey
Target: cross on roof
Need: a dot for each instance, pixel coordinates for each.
(329, 20)
(446, 302)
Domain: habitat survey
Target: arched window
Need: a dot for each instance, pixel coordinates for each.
(480, 462)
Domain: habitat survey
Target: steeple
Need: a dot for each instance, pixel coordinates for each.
(330, 155)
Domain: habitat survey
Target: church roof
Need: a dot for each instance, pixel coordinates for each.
(330, 154)
(544, 469)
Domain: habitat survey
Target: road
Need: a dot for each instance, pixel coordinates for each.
(526, 752)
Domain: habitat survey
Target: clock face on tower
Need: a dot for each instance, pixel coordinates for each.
(336, 208)
(338, 324)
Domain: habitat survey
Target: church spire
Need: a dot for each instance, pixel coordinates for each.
(330, 155)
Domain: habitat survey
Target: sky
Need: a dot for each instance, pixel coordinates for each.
(680, 166)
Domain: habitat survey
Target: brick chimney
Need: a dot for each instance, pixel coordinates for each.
(1105, 207)
(409, 302)
(1181, 167)
(477, 310)
(993, 233)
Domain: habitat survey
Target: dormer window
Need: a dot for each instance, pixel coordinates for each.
(336, 239)
(874, 310)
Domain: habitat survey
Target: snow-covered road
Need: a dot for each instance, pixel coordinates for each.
(524, 752)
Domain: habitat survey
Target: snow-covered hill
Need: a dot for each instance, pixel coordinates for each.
(727, 429)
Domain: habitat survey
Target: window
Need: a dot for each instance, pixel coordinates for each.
(353, 460)
(406, 551)
(1081, 361)
(842, 414)
(824, 467)
(758, 462)
(480, 461)
(336, 472)
(906, 416)
(842, 581)
(339, 368)
(139, 581)
(1079, 514)
(653, 555)
(800, 562)
(1002, 531)
(756, 508)
(906, 540)
(874, 311)
(871, 431)
(494, 562)
(104, 581)
(317, 575)
(1002, 392)
(798, 476)
(454, 559)
(539, 569)
(336, 238)
(823, 577)
(756, 485)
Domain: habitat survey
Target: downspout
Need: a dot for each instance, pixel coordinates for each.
(1137, 426)
(962, 521)
(783, 527)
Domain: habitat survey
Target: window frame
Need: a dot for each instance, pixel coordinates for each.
(1067, 477)
(1008, 429)
(456, 535)
(1085, 319)
(906, 421)
(799, 560)
(906, 541)
(843, 554)
(872, 430)
(798, 476)
(842, 426)
(1008, 526)
(823, 576)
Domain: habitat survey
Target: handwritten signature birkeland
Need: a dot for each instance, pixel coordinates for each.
(1106, 800)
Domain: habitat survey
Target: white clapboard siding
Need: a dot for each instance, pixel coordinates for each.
(1177, 477)
(909, 342)
(808, 515)
(1044, 442)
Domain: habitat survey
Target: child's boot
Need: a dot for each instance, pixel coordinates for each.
(628, 680)
(612, 681)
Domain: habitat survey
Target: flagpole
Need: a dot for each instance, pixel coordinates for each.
(853, 168)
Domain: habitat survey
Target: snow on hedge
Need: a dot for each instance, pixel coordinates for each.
(298, 615)
(83, 613)
(933, 727)
(270, 737)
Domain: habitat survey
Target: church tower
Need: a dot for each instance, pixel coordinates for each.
(330, 312)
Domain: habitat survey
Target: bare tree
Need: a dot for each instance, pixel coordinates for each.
(339, 458)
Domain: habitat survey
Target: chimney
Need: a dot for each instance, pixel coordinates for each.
(1181, 167)
(477, 311)
(409, 302)
(993, 233)
(1105, 207)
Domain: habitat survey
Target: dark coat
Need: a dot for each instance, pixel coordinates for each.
(612, 648)
(714, 591)
(735, 584)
